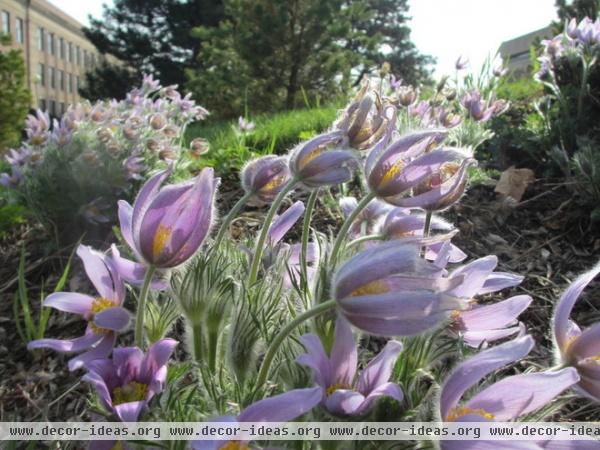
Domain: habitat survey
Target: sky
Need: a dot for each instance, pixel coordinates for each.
(444, 29)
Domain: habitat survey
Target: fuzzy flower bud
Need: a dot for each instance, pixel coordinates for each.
(199, 147)
(265, 177)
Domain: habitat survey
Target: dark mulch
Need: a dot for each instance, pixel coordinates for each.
(547, 238)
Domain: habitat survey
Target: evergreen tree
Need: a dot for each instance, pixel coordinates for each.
(578, 9)
(15, 98)
(108, 81)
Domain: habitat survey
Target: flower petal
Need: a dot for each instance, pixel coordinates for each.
(316, 359)
(379, 370)
(344, 402)
(115, 319)
(283, 407)
(495, 315)
(383, 390)
(102, 389)
(344, 355)
(283, 223)
(100, 273)
(158, 355)
(396, 327)
(125, 220)
(134, 272)
(100, 351)
(471, 371)
(66, 346)
(130, 411)
(70, 302)
(475, 274)
(497, 281)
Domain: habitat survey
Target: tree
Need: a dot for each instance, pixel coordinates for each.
(15, 98)
(108, 81)
(274, 54)
(150, 36)
(578, 9)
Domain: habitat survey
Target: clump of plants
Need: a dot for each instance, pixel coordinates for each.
(70, 171)
(273, 326)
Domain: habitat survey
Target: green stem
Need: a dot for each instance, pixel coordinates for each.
(141, 309)
(427, 226)
(582, 89)
(229, 217)
(213, 340)
(360, 240)
(346, 226)
(310, 206)
(260, 243)
(197, 341)
(285, 331)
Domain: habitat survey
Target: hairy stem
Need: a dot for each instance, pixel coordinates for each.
(141, 309)
(229, 218)
(197, 342)
(360, 240)
(310, 206)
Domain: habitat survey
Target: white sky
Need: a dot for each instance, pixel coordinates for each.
(441, 28)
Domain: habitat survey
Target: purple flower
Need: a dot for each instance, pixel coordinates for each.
(571, 28)
(500, 71)
(167, 225)
(342, 395)
(36, 127)
(244, 125)
(126, 383)
(477, 107)
(401, 224)
(405, 96)
(505, 400)
(149, 84)
(134, 167)
(447, 118)
(265, 177)
(587, 31)
(274, 410)
(104, 313)
(11, 181)
(462, 62)
(577, 348)
(395, 83)
(368, 219)
(315, 165)
(389, 290)
(93, 212)
(20, 157)
(420, 110)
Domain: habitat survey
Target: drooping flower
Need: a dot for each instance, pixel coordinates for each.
(405, 96)
(395, 83)
(12, 180)
(244, 125)
(368, 219)
(477, 107)
(199, 147)
(461, 63)
(104, 314)
(127, 382)
(167, 225)
(575, 347)
(265, 177)
(316, 164)
(389, 290)
(274, 410)
(401, 223)
(342, 395)
(505, 400)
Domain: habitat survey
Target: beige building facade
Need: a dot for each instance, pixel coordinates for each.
(55, 51)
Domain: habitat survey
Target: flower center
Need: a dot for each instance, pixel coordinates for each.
(161, 237)
(392, 171)
(372, 288)
(234, 445)
(312, 155)
(131, 392)
(98, 305)
(272, 184)
(334, 387)
(456, 413)
(444, 174)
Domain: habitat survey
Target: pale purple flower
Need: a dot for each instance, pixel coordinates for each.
(244, 125)
(395, 83)
(20, 157)
(61, 132)
(315, 164)
(368, 219)
(406, 95)
(149, 84)
(37, 127)
(265, 177)
(126, 383)
(420, 110)
(503, 401)
(13, 180)
(167, 225)
(461, 63)
(94, 211)
(104, 314)
(571, 28)
(500, 71)
(389, 290)
(342, 394)
(134, 167)
(587, 31)
(274, 410)
(578, 348)
(447, 118)
(477, 107)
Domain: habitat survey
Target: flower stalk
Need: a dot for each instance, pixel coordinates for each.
(310, 206)
(141, 310)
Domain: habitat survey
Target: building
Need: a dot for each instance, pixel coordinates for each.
(55, 51)
(515, 52)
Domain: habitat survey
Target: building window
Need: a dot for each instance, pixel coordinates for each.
(51, 43)
(42, 104)
(42, 74)
(40, 38)
(77, 84)
(5, 22)
(61, 48)
(52, 107)
(61, 108)
(70, 52)
(52, 77)
(69, 82)
(61, 80)
(78, 56)
(19, 31)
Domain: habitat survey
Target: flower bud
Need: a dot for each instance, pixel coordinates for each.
(199, 146)
(157, 121)
(171, 131)
(265, 177)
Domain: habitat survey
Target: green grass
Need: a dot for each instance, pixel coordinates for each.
(274, 134)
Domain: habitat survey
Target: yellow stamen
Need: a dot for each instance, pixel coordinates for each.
(273, 184)
(161, 237)
(233, 445)
(334, 387)
(461, 411)
(131, 392)
(372, 288)
(392, 171)
(312, 155)
(98, 305)
(446, 171)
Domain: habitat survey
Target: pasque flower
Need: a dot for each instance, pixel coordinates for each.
(104, 313)
(577, 348)
(263, 178)
(477, 107)
(368, 219)
(244, 125)
(316, 164)
(167, 225)
(341, 394)
(462, 62)
(505, 400)
(389, 290)
(127, 382)
(274, 410)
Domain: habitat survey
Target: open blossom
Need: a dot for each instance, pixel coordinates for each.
(244, 125)
(37, 128)
(342, 395)
(167, 225)
(579, 348)
(104, 313)
(505, 400)
(126, 383)
(12, 180)
(265, 177)
(462, 62)
(368, 219)
(274, 410)
(389, 290)
(316, 164)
